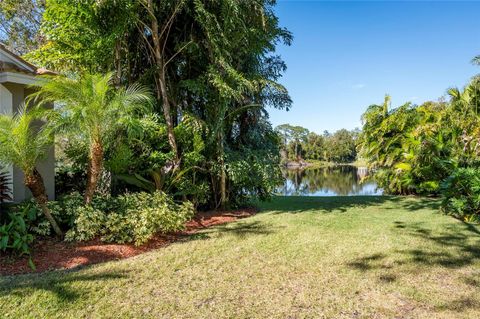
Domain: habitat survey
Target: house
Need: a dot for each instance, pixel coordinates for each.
(15, 77)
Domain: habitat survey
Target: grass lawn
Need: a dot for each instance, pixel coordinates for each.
(301, 257)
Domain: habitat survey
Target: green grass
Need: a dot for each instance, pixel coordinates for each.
(302, 257)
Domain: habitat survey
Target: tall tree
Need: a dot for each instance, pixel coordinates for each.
(159, 38)
(294, 135)
(212, 60)
(20, 22)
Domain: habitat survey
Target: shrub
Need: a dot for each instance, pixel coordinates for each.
(65, 210)
(87, 224)
(129, 218)
(461, 194)
(14, 233)
(252, 175)
(39, 224)
(134, 217)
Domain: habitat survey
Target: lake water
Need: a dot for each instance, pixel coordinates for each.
(328, 181)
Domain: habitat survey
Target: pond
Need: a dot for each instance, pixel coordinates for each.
(328, 181)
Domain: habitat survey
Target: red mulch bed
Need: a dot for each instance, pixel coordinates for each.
(51, 254)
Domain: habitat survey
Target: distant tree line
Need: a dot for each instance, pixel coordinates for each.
(298, 143)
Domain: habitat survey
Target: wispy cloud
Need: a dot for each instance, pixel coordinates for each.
(358, 86)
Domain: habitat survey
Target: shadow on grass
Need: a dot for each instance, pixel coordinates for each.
(454, 246)
(68, 285)
(300, 204)
(60, 283)
(239, 229)
(461, 304)
(243, 229)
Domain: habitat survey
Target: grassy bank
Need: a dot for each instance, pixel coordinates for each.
(338, 257)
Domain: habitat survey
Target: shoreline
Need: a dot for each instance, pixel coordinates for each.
(319, 164)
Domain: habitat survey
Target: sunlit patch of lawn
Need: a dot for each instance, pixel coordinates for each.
(338, 257)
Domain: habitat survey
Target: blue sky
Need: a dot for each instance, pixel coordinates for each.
(348, 55)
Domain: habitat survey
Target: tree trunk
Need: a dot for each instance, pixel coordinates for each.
(162, 91)
(223, 173)
(94, 170)
(118, 63)
(166, 107)
(223, 187)
(34, 182)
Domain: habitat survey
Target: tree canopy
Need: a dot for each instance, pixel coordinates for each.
(298, 143)
(213, 69)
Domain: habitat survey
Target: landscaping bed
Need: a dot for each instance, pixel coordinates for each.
(50, 254)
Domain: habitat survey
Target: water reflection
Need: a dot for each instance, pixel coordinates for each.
(328, 181)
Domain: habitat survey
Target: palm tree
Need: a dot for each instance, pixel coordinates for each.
(465, 117)
(23, 143)
(92, 108)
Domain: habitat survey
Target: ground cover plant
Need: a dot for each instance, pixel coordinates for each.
(339, 257)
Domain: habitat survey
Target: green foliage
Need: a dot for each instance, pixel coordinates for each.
(92, 105)
(20, 24)
(81, 35)
(133, 217)
(68, 178)
(461, 194)
(61, 210)
(340, 147)
(23, 142)
(292, 138)
(219, 72)
(128, 218)
(71, 160)
(87, 221)
(412, 148)
(15, 236)
(430, 149)
(253, 174)
(298, 143)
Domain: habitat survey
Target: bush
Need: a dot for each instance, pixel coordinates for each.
(14, 233)
(133, 217)
(128, 218)
(65, 211)
(461, 194)
(62, 210)
(252, 175)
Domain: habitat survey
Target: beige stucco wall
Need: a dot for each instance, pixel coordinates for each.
(46, 167)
